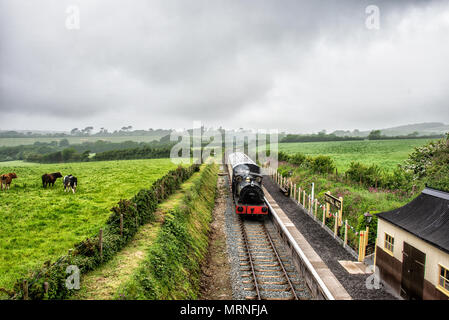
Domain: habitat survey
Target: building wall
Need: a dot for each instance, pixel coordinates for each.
(434, 257)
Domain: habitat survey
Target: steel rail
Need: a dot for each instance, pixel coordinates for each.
(292, 288)
(250, 258)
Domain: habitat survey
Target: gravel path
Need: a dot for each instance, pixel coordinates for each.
(327, 248)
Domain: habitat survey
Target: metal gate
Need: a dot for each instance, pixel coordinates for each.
(413, 264)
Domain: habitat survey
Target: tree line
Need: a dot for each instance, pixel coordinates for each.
(63, 151)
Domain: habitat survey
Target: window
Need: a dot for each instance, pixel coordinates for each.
(443, 279)
(389, 243)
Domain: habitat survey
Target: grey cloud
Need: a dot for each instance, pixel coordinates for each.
(288, 64)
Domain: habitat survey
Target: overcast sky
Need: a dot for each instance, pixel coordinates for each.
(291, 65)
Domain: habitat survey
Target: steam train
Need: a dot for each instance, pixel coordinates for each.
(246, 179)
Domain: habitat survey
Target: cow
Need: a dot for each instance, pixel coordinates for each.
(70, 182)
(50, 179)
(5, 179)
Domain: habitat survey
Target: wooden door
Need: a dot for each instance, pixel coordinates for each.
(413, 265)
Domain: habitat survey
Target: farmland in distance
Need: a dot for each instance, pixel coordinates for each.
(12, 142)
(384, 153)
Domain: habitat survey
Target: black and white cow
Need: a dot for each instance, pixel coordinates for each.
(70, 182)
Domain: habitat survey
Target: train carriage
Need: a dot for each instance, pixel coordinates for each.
(246, 183)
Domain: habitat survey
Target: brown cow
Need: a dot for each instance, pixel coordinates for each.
(5, 179)
(50, 178)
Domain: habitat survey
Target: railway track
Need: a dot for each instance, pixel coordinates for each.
(266, 271)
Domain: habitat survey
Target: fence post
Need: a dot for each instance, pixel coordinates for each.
(366, 236)
(101, 243)
(310, 205)
(25, 290)
(346, 233)
(336, 225)
(316, 208)
(340, 212)
(299, 195)
(324, 216)
(313, 190)
(121, 224)
(304, 199)
(361, 246)
(45, 287)
(294, 192)
(290, 192)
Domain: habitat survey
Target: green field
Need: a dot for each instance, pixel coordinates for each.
(11, 142)
(385, 153)
(39, 224)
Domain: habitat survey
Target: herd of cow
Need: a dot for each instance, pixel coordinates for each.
(70, 182)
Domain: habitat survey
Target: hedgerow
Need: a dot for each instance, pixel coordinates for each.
(171, 269)
(86, 254)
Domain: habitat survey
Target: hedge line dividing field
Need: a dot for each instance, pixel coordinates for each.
(172, 266)
(49, 281)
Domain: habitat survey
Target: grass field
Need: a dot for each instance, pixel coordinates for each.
(39, 224)
(385, 153)
(11, 142)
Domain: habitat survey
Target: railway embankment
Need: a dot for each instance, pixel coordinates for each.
(171, 268)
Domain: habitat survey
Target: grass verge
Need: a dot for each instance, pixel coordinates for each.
(172, 265)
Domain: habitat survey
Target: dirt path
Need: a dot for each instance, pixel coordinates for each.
(215, 280)
(103, 283)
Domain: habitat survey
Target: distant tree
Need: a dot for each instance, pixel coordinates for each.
(64, 143)
(68, 153)
(75, 131)
(87, 130)
(322, 133)
(375, 135)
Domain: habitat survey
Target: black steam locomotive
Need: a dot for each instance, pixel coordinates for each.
(246, 181)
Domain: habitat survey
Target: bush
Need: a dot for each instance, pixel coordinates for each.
(322, 164)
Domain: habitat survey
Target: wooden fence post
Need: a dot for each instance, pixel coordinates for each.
(361, 246)
(336, 225)
(299, 195)
(100, 239)
(310, 204)
(121, 224)
(346, 233)
(316, 208)
(45, 287)
(340, 212)
(304, 199)
(294, 192)
(25, 290)
(366, 236)
(291, 189)
(324, 216)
